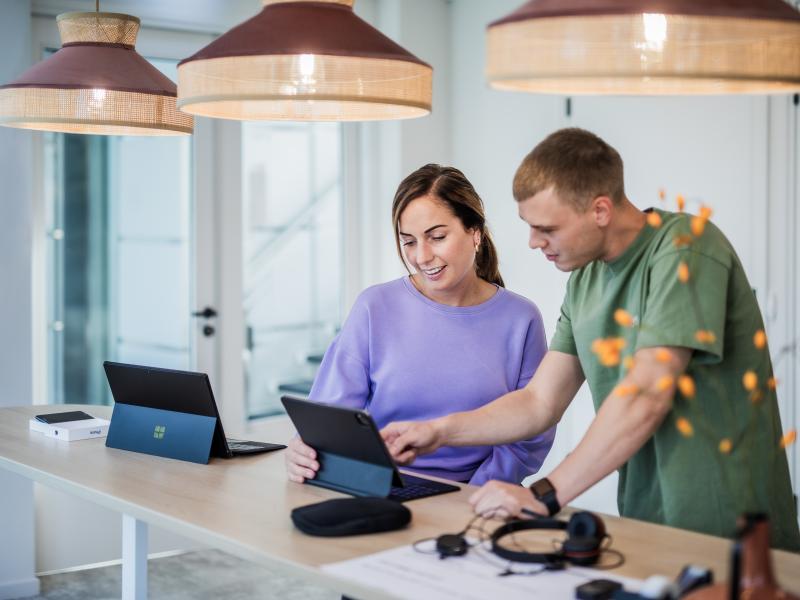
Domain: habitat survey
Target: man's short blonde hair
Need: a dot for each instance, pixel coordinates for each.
(577, 164)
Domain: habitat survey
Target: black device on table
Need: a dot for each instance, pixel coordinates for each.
(63, 417)
(352, 456)
(597, 589)
(177, 391)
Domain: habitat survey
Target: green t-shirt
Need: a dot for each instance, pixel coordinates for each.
(673, 479)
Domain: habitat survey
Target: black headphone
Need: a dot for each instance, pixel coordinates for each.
(585, 535)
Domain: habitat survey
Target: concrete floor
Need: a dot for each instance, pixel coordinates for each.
(197, 575)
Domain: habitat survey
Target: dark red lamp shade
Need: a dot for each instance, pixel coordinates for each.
(304, 60)
(96, 83)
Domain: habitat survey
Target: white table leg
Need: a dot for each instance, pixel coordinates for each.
(134, 558)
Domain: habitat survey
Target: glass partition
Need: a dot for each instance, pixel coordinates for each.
(292, 255)
(118, 218)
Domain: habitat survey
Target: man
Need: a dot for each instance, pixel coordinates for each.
(661, 321)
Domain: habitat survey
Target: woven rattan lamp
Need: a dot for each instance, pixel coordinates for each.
(96, 83)
(646, 47)
(304, 60)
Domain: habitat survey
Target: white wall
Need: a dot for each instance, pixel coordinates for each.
(391, 150)
(781, 301)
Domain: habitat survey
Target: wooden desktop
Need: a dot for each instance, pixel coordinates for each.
(242, 506)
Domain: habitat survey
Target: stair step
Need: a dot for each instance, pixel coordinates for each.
(300, 388)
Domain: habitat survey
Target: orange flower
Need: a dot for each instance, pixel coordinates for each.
(654, 220)
(772, 383)
(682, 240)
(756, 396)
(627, 363)
(626, 390)
(681, 201)
(608, 350)
(698, 225)
(686, 386)
(760, 339)
(789, 439)
(609, 359)
(705, 336)
(705, 212)
(665, 382)
(605, 344)
(725, 446)
(623, 317)
(684, 427)
(683, 272)
(662, 194)
(750, 381)
(663, 356)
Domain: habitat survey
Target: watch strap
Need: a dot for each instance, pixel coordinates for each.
(545, 493)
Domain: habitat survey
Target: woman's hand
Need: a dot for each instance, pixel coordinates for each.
(301, 461)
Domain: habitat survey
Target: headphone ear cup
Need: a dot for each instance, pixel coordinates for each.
(585, 534)
(581, 551)
(586, 525)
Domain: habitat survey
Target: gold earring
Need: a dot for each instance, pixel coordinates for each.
(477, 247)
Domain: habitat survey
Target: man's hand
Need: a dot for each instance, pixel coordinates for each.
(301, 461)
(408, 439)
(500, 499)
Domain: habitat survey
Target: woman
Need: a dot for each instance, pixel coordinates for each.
(447, 338)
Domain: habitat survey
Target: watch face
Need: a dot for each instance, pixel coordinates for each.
(542, 488)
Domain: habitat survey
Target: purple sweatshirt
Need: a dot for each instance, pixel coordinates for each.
(404, 357)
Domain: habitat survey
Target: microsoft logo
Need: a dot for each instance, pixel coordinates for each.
(159, 432)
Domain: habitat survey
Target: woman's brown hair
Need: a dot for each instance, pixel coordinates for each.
(449, 185)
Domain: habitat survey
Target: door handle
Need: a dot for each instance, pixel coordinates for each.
(206, 313)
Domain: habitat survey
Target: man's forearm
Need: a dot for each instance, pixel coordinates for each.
(626, 420)
(621, 427)
(512, 417)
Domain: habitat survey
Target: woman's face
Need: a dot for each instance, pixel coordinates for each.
(436, 245)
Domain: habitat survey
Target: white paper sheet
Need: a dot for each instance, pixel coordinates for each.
(407, 573)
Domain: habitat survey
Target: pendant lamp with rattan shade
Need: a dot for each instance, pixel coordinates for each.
(646, 47)
(96, 84)
(303, 60)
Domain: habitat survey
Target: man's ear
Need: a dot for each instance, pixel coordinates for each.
(602, 208)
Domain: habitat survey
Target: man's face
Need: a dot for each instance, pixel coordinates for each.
(568, 238)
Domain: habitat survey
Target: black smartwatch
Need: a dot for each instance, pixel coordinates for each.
(545, 493)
